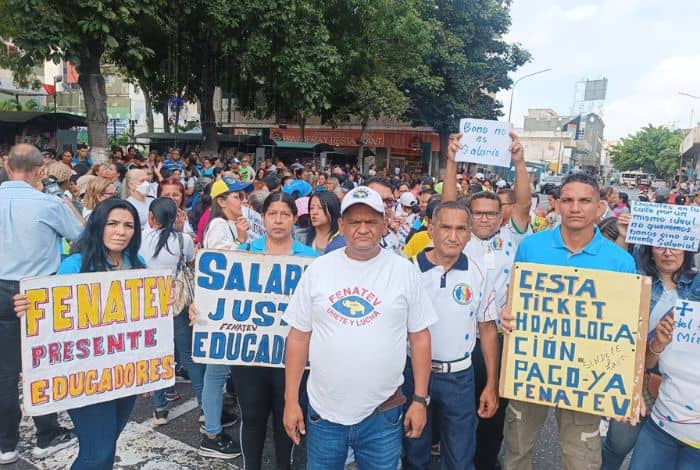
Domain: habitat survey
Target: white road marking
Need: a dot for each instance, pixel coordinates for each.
(140, 446)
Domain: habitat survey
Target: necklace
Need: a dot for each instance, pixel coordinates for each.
(116, 263)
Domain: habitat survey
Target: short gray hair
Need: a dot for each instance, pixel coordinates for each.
(24, 157)
(257, 198)
(451, 205)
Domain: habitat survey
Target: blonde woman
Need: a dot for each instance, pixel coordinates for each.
(98, 190)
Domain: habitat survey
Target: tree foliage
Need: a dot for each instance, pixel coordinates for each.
(80, 31)
(653, 149)
(468, 58)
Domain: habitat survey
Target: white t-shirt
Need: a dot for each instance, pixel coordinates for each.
(141, 208)
(220, 235)
(462, 298)
(169, 255)
(676, 408)
(496, 255)
(360, 314)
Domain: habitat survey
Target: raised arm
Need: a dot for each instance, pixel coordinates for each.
(523, 195)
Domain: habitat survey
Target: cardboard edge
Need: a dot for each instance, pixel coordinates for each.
(640, 356)
(507, 339)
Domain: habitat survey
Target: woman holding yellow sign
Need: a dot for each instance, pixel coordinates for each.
(110, 242)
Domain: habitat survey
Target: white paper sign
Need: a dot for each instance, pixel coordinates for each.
(255, 221)
(93, 337)
(686, 334)
(241, 297)
(664, 225)
(484, 142)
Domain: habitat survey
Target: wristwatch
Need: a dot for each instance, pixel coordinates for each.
(422, 400)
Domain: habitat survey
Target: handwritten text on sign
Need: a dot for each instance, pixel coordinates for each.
(90, 338)
(686, 334)
(241, 297)
(665, 225)
(485, 142)
(576, 343)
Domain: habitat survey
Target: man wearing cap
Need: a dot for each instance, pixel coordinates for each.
(389, 240)
(406, 216)
(351, 316)
(493, 246)
(463, 299)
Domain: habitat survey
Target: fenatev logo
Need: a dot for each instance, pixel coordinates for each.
(354, 307)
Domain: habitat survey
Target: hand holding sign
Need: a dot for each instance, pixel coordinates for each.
(664, 333)
(486, 142)
(684, 333)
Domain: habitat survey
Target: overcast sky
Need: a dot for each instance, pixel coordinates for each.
(648, 49)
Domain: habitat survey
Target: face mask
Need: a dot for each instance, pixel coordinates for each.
(143, 188)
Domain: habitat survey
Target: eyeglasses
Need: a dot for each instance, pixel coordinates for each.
(665, 250)
(488, 215)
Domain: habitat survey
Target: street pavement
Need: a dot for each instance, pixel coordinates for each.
(174, 446)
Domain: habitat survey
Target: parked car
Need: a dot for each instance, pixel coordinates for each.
(549, 182)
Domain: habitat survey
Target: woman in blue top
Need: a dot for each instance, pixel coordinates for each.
(672, 279)
(670, 438)
(260, 390)
(110, 242)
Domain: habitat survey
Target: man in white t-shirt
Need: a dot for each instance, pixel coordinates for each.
(351, 316)
(493, 245)
(462, 296)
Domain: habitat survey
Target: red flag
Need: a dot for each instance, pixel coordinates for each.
(50, 89)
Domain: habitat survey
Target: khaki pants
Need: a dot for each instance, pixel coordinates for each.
(579, 436)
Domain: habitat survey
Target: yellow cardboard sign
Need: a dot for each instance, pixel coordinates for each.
(579, 340)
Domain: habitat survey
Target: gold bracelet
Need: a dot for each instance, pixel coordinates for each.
(651, 350)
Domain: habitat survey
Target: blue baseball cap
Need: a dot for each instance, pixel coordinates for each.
(300, 186)
(226, 185)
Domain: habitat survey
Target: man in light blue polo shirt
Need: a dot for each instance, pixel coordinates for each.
(577, 242)
(32, 226)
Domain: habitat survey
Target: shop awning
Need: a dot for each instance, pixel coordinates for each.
(41, 120)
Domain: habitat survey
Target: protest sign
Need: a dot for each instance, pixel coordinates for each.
(485, 142)
(686, 334)
(664, 225)
(241, 297)
(579, 339)
(255, 221)
(93, 337)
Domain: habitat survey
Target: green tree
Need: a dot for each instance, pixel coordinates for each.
(288, 71)
(468, 58)
(80, 31)
(29, 105)
(386, 51)
(652, 149)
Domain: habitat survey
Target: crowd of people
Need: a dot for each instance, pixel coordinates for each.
(431, 260)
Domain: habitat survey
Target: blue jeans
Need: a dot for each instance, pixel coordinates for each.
(98, 427)
(618, 443)
(376, 441)
(656, 449)
(215, 377)
(452, 397)
(182, 332)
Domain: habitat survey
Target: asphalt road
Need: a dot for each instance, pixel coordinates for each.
(173, 446)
